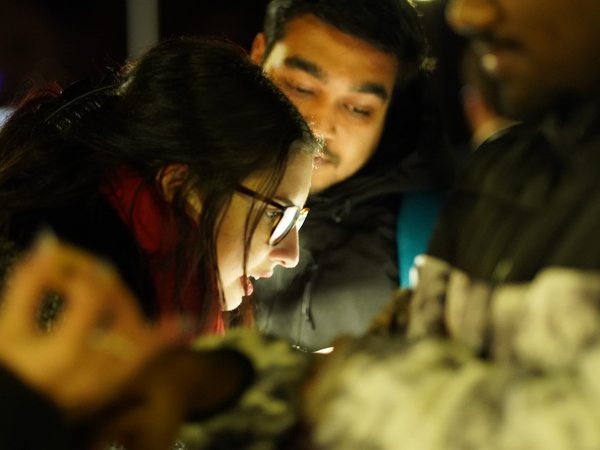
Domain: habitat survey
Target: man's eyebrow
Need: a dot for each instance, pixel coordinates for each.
(373, 88)
(297, 62)
(300, 63)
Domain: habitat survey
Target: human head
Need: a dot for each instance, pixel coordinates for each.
(261, 257)
(195, 119)
(539, 53)
(247, 129)
(342, 63)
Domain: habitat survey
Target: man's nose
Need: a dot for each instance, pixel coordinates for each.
(322, 119)
(287, 253)
(471, 16)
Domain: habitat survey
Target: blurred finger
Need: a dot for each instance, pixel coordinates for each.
(95, 295)
(28, 283)
(85, 309)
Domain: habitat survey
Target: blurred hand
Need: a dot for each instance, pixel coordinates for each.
(115, 377)
(180, 385)
(100, 341)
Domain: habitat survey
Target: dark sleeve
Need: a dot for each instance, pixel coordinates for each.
(28, 420)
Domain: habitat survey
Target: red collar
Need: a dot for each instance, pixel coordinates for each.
(151, 220)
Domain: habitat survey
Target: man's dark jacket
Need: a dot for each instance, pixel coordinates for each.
(348, 265)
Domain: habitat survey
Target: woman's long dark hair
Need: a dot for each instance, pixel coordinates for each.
(200, 103)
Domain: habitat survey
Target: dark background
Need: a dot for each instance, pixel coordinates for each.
(64, 40)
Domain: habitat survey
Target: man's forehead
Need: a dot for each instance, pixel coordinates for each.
(308, 27)
(324, 52)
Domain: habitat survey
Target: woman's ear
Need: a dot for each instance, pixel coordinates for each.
(257, 52)
(170, 178)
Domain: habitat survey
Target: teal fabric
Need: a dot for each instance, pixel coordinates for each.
(417, 217)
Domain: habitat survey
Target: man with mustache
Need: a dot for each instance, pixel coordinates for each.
(356, 72)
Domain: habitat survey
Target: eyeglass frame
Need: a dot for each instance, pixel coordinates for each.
(299, 214)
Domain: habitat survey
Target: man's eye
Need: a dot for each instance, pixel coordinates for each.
(303, 90)
(298, 88)
(358, 111)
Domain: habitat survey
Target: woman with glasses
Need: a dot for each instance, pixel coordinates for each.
(187, 172)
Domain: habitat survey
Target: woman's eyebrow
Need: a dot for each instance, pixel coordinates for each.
(283, 201)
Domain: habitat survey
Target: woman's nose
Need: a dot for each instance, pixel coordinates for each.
(287, 252)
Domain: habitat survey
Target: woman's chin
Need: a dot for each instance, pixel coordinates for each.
(232, 302)
(235, 291)
(233, 296)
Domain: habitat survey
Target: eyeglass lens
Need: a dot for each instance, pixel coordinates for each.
(287, 221)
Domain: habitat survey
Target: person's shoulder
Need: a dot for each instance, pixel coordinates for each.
(510, 138)
(509, 151)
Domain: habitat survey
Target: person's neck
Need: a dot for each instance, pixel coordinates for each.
(572, 121)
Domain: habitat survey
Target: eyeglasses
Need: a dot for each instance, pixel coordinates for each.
(289, 216)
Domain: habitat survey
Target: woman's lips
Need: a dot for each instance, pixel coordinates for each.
(246, 282)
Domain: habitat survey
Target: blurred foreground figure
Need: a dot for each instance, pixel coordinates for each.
(101, 375)
(480, 105)
(502, 348)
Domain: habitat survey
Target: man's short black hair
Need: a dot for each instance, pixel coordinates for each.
(391, 26)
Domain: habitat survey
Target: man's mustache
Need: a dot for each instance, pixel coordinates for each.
(328, 155)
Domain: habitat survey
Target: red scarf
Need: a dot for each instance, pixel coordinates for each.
(151, 220)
